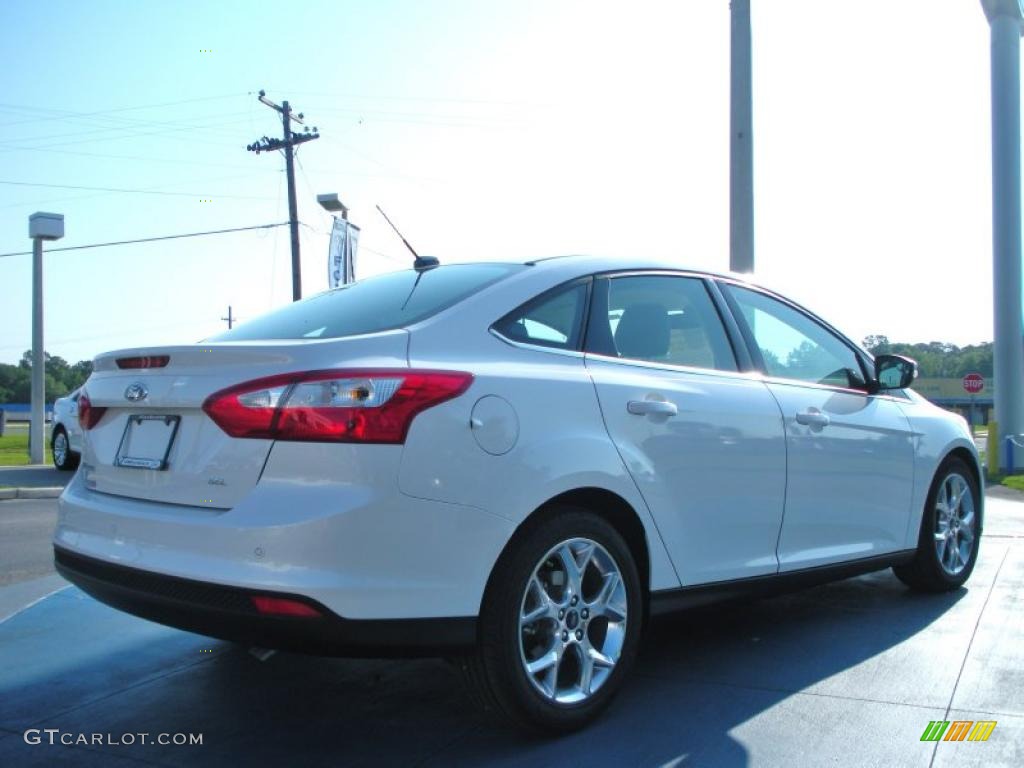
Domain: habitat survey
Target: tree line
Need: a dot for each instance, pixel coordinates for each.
(937, 359)
(61, 378)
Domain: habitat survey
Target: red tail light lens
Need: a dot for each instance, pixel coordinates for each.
(153, 361)
(333, 406)
(88, 414)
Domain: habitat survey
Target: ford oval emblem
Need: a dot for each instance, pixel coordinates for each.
(136, 392)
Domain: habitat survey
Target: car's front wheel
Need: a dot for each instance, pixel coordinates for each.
(950, 534)
(560, 623)
(63, 457)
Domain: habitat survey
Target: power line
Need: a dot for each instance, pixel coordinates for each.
(150, 239)
(164, 132)
(64, 114)
(104, 125)
(136, 158)
(131, 191)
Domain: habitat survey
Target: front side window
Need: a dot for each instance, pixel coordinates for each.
(794, 346)
(658, 319)
(553, 319)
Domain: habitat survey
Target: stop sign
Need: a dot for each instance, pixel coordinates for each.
(974, 383)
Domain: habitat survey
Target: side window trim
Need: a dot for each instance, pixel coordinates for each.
(579, 332)
(755, 350)
(740, 347)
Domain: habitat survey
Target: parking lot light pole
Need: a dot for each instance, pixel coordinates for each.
(741, 141)
(1006, 19)
(41, 226)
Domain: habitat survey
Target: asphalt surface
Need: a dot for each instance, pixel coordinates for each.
(26, 527)
(848, 674)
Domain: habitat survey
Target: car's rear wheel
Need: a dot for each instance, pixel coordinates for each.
(560, 624)
(63, 457)
(947, 547)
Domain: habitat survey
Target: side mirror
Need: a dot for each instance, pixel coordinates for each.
(894, 371)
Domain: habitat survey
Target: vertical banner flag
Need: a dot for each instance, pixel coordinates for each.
(341, 257)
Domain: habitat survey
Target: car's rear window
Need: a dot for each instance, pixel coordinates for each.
(375, 304)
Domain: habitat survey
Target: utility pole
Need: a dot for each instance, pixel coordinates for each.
(1006, 19)
(288, 144)
(741, 142)
(230, 318)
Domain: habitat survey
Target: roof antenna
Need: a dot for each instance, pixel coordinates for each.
(421, 262)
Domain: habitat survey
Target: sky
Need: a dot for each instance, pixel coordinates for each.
(489, 131)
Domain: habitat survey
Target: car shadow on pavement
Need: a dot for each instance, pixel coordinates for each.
(702, 684)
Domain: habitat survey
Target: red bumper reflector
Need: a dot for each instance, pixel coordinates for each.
(280, 606)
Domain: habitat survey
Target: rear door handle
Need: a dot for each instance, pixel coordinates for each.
(812, 417)
(647, 407)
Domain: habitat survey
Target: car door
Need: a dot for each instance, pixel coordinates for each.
(850, 453)
(703, 441)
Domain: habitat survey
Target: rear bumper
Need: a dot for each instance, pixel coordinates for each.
(228, 613)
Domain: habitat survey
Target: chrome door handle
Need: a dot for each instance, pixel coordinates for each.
(647, 407)
(812, 417)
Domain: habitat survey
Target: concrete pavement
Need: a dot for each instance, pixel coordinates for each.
(34, 481)
(848, 674)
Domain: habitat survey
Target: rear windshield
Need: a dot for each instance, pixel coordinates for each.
(377, 303)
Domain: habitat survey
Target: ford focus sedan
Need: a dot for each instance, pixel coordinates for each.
(511, 464)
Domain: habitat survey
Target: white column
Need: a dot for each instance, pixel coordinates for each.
(741, 143)
(36, 432)
(1005, 18)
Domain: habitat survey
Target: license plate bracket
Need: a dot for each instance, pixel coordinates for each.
(146, 442)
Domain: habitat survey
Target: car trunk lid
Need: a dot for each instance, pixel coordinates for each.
(154, 441)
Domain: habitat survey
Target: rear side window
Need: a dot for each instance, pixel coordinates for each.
(658, 319)
(553, 319)
(378, 303)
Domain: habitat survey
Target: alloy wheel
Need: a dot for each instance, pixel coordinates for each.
(60, 449)
(955, 524)
(572, 621)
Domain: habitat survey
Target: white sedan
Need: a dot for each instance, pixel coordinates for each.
(66, 433)
(513, 464)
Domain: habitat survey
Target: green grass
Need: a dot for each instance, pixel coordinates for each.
(1014, 481)
(14, 450)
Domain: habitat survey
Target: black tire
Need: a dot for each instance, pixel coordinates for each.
(70, 458)
(496, 673)
(926, 573)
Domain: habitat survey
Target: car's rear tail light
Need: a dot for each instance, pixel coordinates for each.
(152, 361)
(89, 415)
(281, 606)
(333, 406)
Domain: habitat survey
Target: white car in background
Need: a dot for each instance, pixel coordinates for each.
(65, 432)
(514, 464)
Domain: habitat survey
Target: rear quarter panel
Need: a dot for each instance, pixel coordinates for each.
(562, 444)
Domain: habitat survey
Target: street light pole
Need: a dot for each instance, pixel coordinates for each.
(741, 142)
(41, 226)
(1006, 19)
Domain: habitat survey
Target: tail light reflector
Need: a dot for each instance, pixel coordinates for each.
(353, 406)
(89, 415)
(280, 606)
(152, 361)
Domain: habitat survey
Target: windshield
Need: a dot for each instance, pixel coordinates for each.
(379, 303)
